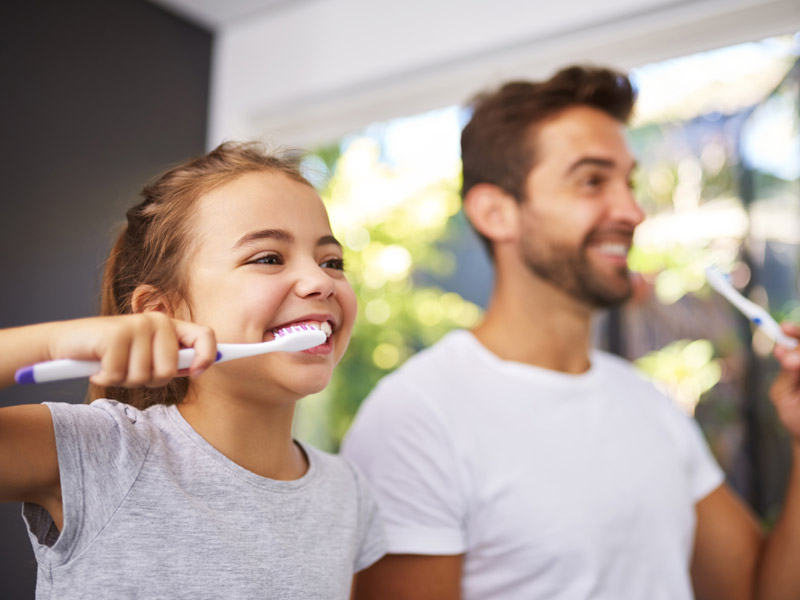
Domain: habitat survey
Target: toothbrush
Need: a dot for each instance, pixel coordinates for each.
(760, 317)
(289, 339)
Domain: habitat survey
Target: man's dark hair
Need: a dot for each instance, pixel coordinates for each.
(498, 144)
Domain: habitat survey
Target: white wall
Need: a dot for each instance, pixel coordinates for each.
(308, 71)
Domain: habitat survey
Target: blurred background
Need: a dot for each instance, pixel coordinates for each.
(99, 97)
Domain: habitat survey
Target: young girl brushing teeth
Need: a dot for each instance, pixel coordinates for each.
(193, 487)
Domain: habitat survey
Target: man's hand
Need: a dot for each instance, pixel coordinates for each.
(785, 391)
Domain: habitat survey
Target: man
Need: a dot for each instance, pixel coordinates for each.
(515, 462)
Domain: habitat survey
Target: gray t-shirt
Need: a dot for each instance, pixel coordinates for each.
(151, 510)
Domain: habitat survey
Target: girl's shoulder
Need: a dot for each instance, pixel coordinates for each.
(335, 470)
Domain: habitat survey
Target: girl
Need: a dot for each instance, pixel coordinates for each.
(192, 486)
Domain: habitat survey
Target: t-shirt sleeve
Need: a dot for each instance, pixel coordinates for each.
(100, 453)
(705, 474)
(401, 444)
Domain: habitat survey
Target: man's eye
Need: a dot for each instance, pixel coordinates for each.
(334, 263)
(268, 259)
(592, 181)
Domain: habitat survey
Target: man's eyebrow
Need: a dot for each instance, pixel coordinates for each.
(603, 163)
(280, 235)
(590, 161)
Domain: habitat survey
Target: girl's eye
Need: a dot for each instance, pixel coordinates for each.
(333, 263)
(268, 259)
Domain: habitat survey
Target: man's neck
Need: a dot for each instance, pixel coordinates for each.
(539, 326)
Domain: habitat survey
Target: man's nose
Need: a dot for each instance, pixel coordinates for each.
(626, 207)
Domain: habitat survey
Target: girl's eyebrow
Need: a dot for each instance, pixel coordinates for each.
(280, 235)
(328, 239)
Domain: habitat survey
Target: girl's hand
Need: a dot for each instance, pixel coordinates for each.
(134, 350)
(785, 390)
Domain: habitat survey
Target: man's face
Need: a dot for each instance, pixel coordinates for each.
(579, 214)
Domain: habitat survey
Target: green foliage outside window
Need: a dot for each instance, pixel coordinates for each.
(392, 226)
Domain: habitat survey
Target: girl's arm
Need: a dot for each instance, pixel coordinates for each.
(134, 350)
(28, 460)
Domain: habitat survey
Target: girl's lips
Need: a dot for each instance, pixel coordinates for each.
(324, 348)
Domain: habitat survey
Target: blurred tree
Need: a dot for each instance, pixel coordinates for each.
(393, 225)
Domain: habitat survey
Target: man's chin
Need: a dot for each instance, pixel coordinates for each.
(606, 294)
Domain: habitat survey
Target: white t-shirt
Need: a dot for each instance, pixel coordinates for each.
(554, 486)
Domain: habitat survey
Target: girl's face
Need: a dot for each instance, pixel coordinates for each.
(264, 258)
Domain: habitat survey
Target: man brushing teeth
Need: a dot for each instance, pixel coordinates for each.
(515, 460)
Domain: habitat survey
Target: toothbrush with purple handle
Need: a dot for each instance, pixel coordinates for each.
(289, 339)
(756, 314)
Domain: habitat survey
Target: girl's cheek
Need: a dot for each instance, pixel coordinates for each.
(351, 307)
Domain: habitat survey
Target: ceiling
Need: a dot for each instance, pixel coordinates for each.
(216, 14)
(306, 72)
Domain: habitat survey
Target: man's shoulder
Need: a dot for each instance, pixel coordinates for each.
(425, 383)
(614, 365)
(452, 350)
(448, 357)
(618, 373)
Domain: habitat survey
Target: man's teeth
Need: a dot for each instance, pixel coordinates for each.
(612, 248)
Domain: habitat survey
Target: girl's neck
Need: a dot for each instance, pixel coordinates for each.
(256, 436)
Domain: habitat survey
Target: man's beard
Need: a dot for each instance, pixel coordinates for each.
(571, 271)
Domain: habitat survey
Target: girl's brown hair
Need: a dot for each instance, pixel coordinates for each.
(151, 248)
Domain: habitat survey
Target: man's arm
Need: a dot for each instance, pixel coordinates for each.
(726, 549)
(779, 573)
(411, 577)
(732, 559)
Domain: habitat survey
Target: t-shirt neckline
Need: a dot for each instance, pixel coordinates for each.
(574, 381)
(275, 485)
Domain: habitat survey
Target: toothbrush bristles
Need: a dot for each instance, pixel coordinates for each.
(284, 331)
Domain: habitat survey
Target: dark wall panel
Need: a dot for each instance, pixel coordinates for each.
(96, 97)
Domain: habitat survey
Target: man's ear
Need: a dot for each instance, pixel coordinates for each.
(493, 212)
(149, 298)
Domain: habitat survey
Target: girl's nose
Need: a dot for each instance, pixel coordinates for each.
(314, 281)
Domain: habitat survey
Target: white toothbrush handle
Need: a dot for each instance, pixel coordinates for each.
(68, 368)
(770, 326)
(298, 338)
(55, 370)
(755, 313)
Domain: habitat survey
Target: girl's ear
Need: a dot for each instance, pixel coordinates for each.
(149, 298)
(493, 212)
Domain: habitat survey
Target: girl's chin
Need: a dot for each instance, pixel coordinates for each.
(313, 386)
(307, 381)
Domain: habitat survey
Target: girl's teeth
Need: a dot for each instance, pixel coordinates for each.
(324, 327)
